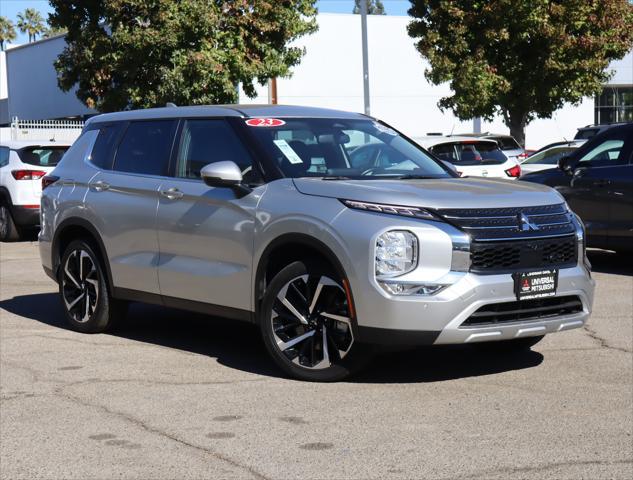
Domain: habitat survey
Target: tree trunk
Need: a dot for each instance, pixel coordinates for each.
(516, 122)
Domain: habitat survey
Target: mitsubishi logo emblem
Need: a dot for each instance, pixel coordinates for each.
(524, 223)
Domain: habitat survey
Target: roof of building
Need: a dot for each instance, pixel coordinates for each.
(240, 111)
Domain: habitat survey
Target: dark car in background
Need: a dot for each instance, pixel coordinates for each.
(589, 131)
(597, 182)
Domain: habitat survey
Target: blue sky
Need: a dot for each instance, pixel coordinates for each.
(11, 8)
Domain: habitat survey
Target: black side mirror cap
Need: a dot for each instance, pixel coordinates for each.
(565, 164)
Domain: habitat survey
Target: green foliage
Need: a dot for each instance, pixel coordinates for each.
(7, 31)
(374, 7)
(31, 22)
(522, 59)
(144, 53)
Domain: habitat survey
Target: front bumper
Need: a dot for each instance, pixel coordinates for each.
(438, 319)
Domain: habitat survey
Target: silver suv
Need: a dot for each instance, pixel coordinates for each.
(256, 213)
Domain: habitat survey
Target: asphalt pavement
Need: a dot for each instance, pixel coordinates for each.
(179, 395)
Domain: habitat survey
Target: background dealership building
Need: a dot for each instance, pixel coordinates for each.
(330, 75)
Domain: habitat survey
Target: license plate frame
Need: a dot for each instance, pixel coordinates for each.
(536, 284)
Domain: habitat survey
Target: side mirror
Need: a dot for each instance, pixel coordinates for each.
(224, 174)
(565, 164)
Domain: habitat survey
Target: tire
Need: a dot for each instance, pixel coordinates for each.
(9, 232)
(510, 346)
(87, 302)
(293, 324)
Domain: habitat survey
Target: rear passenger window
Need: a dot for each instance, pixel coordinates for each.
(209, 141)
(103, 150)
(145, 147)
(4, 156)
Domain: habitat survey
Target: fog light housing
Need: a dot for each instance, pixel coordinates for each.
(396, 253)
(400, 289)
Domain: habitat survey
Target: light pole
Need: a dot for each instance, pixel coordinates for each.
(363, 28)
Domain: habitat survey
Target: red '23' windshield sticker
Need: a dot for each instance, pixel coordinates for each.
(265, 122)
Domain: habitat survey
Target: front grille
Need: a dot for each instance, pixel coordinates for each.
(521, 255)
(511, 223)
(525, 310)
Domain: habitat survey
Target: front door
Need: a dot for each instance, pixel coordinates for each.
(206, 233)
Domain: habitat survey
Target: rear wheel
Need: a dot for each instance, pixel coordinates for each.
(88, 304)
(307, 326)
(509, 346)
(8, 230)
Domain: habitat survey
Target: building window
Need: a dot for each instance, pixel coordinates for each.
(614, 104)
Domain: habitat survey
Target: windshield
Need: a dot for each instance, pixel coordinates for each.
(334, 148)
(470, 153)
(42, 156)
(549, 157)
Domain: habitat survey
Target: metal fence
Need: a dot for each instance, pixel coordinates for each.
(52, 130)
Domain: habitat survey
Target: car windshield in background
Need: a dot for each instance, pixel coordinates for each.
(341, 149)
(506, 143)
(42, 156)
(586, 133)
(549, 157)
(470, 153)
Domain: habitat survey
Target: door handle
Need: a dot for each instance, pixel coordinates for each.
(100, 186)
(172, 193)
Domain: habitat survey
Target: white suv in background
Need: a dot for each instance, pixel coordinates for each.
(472, 157)
(22, 166)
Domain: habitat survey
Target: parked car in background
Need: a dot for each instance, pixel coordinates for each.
(596, 179)
(22, 166)
(589, 131)
(255, 213)
(549, 157)
(508, 145)
(475, 157)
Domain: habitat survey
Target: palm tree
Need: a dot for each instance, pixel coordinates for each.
(7, 31)
(30, 21)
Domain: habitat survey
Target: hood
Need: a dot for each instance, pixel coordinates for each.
(440, 193)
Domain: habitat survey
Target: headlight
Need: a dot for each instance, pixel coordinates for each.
(414, 212)
(396, 253)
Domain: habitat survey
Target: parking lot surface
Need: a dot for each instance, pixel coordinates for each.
(178, 395)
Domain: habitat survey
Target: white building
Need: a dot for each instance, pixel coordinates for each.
(330, 75)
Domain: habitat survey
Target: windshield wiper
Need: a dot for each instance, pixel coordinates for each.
(336, 177)
(412, 177)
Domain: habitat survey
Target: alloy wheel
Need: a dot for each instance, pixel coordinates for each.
(4, 221)
(80, 285)
(311, 322)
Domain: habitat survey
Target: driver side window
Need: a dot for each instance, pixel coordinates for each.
(209, 141)
(605, 154)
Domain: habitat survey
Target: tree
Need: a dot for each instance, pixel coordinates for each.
(52, 31)
(522, 59)
(143, 53)
(374, 7)
(7, 31)
(31, 22)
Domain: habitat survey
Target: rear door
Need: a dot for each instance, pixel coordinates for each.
(621, 202)
(590, 193)
(123, 197)
(206, 233)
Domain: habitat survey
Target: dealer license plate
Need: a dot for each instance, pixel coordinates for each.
(540, 284)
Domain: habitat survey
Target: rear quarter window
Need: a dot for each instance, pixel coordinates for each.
(103, 150)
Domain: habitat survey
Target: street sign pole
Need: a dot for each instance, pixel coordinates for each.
(363, 27)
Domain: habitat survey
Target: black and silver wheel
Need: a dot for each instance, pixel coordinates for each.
(84, 290)
(307, 326)
(8, 230)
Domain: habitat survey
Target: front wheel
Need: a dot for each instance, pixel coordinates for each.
(306, 324)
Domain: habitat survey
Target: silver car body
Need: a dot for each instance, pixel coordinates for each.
(204, 249)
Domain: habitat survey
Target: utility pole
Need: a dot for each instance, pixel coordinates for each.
(363, 28)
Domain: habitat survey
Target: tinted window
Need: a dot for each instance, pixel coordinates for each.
(470, 153)
(586, 133)
(605, 154)
(4, 156)
(550, 156)
(145, 147)
(42, 156)
(103, 149)
(507, 143)
(209, 141)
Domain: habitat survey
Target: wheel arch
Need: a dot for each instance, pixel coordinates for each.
(290, 247)
(74, 228)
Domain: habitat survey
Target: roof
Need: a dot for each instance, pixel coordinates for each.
(433, 140)
(240, 111)
(18, 144)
